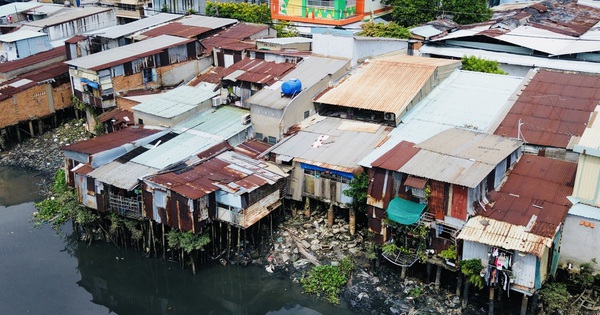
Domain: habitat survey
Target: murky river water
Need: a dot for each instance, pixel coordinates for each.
(44, 273)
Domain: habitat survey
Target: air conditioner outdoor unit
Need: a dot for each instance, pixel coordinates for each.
(389, 116)
(217, 101)
(246, 119)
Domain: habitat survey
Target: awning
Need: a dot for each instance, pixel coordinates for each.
(415, 182)
(404, 211)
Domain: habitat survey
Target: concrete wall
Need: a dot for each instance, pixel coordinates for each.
(39, 101)
(356, 48)
(579, 242)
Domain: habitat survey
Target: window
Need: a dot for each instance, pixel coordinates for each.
(258, 136)
(306, 114)
(149, 75)
(272, 140)
(140, 121)
(321, 3)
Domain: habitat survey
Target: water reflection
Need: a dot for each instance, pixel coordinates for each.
(43, 273)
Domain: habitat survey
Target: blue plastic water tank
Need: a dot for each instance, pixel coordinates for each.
(291, 87)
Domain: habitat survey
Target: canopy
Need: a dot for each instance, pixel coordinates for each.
(404, 211)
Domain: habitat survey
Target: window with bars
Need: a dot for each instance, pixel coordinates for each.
(321, 3)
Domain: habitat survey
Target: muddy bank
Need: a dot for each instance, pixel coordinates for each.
(374, 288)
(42, 153)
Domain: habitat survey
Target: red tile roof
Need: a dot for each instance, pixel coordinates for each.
(34, 59)
(396, 157)
(536, 186)
(554, 107)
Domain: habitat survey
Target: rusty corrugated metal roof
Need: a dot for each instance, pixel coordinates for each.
(535, 194)
(415, 182)
(397, 156)
(118, 115)
(375, 86)
(34, 59)
(177, 29)
(110, 140)
(252, 148)
(258, 70)
(30, 79)
(554, 107)
(75, 39)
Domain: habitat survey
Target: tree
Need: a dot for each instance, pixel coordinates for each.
(243, 11)
(358, 192)
(467, 11)
(473, 63)
(285, 29)
(390, 30)
(415, 12)
(471, 268)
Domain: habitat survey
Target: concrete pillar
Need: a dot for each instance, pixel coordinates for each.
(429, 271)
(403, 273)
(18, 133)
(31, 133)
(352, 221)
(459, 281)
(307, 207)
(40, 127)
(491, 301)
(524, 303)
(438, 277)
(330, 215)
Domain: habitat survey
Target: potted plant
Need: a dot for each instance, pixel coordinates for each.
(449, 255)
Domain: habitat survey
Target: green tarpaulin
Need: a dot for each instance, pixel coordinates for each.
(404, 211)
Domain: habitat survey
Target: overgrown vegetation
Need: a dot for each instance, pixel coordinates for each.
(554, 297)
(243, 11)
(473, 63)
(61, 205)
(415, 12)
(585, 277)
(408, 239)
(390, 30)
(327, 281)
(471, 268)
(285, 29)
(358, 192)
(188, 243)
(449, 253)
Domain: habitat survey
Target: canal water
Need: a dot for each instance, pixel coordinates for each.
(42, 272)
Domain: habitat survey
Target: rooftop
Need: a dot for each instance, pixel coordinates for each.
(456, 102)
(29, 79)
(110, 140)
(177, 101)
(590, 140)
(20, 35)
(120, 55)
(375, 84)
(15, 7)
(459, 156)
(34, 59)
(333, 143)
(257, 71)
(118, 31)
(67, 16)
(310, 71)
(553, 108)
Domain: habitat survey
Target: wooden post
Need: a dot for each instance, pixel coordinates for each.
(40, 127)
(438, 277)
(459, 281)
(54, 121)
(403, 273)
(330, 215)
(31, 129)
(18, 133)
(307, 207)
(465, 299)
(429, 270)
(228, 240)
(294, 211)
(352, 221)
(332, 198)
(491, 301)
(164, 244)
(239, 243)
(524, 303)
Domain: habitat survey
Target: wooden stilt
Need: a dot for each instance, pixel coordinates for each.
(352, 221)
(228, 240)
(438, 277)
(40, 127)
(403, 273)
(164, 244)
(31, 129)
(524, 303)
(465, 299)
(491, 301)
(429, 271)
(306, 207)
(239, 243)
(459, 281)
(18, 133)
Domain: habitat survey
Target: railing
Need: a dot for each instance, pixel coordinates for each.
(233, 217)
(127, 207)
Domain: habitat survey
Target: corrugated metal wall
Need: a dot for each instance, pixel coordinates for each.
(524, 269)
(586, 180)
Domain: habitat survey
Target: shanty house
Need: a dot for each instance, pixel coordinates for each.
(22, 44)
(454, 103)
(150, 64)
(517, 235)
(227, 186)
(324, 156)
(582, 225)
(383, 90)
(192, 26)
(274, 113)
(83, 157)
(120, 179)
(11, 69)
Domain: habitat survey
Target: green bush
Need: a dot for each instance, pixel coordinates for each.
(473, 63)
(243, 11)
(471, 269)
(389, 30)
(327, 281)
(555, 297)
